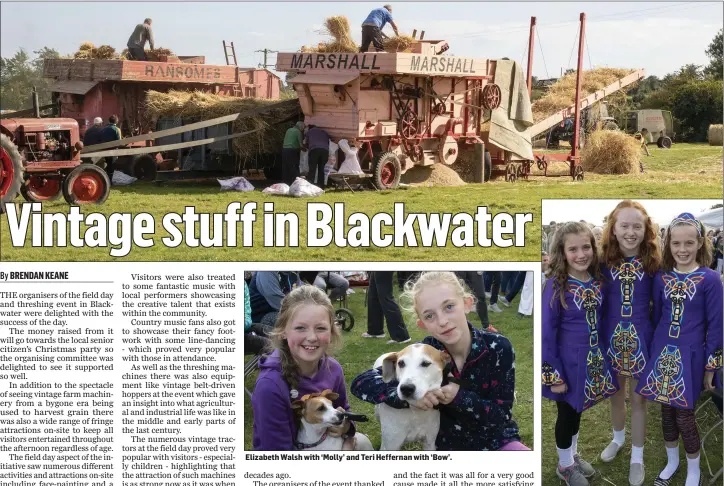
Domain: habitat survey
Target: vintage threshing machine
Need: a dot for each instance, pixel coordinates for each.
(401, 109)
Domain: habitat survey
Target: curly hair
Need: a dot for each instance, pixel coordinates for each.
(558, 266)
(649, 250)
(303, 295)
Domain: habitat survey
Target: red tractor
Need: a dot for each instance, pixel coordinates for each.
(40, 157)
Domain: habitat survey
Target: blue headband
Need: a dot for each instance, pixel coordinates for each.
(686, 218)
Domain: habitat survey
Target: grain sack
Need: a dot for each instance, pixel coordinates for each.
(716, 135)
(611, 152)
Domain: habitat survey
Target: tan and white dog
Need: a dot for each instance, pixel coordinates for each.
(418, 368)
(322, 425)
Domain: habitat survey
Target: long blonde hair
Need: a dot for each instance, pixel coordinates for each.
(304, 295)
(558, 266)
(408, 300)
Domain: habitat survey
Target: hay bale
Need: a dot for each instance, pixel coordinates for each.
(398, 43)
(338, 28)
(155, 55)
(716, 135)
(438, 175)
(86, 46)
(611, 152)
(562, 94)
(205, 106)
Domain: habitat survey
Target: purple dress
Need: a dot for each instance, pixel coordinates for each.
(688, 337)
(572, 352)
(626, 327)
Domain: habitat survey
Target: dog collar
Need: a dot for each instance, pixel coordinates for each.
(302, 446)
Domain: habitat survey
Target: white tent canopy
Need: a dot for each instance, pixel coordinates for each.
(712, 219)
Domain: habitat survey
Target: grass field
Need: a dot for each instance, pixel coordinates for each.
(595, 434)
(685, 171)
(358, 354)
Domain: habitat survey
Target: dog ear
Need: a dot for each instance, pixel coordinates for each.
(329, 394)
(298, 406)
(445, 357)
(389, 367)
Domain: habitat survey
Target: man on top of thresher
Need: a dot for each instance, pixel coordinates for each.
(373, 25)
(141, 34)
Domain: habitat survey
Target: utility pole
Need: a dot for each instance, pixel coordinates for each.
(266, 52)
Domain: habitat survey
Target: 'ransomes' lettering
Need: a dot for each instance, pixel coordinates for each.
(182, 72)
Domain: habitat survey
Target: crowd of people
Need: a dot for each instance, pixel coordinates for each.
(290, 321)
(635, 308)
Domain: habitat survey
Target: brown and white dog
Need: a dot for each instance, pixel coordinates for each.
(322, 425)
(418, 368)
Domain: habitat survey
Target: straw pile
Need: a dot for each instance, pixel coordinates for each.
(611, 152)
(337, 27)
(563, 93)
(156, 54)
(438, 175)
(205, 106)
(88, 51)
(716, 135)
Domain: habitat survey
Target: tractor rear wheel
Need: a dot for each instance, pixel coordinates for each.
(11, 171)
(86, 184)
(144, 168)
(664, 142)
(387, 171)
(40, 189)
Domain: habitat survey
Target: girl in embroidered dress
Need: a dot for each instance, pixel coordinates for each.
(575, 372)
(687, 342)
(629, 259)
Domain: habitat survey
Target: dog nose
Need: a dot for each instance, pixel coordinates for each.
(407, 390)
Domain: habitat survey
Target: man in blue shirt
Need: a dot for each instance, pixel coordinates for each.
(373, 25)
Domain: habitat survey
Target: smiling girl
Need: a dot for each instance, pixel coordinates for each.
(298, 365)
(575, 373)
(476, 407)
(629, 259)
(687, 342)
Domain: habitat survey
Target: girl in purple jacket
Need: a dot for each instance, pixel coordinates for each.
(575, 373)
(299, 365)
(687, 342)
(630, 257)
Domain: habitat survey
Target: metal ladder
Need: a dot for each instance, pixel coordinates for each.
(227, 47)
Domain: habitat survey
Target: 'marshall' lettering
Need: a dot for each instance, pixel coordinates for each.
(362, 62)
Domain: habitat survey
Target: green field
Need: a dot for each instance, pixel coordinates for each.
(685, 171)
(358, 354)
(595, 434)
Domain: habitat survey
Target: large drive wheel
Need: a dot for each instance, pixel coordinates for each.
(11, 171)
(144, 168)
(387, 171)
(86, 184)
(39, 189)
(610, 125)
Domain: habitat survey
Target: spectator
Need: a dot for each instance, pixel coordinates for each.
(476, 284)
(495, 286)
(514, 284)
(266, 292)
(291, 150)
(338, 284)
(255, 335)
(111, 133)
(527, 295)
(93, 134)
(382, 306)
(545, 261)
(598, 235)
(317, 141)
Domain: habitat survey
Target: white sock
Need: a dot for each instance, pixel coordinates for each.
(672, 454)
(574, 444)
(692, 471)
(565, 457)
(619, 436)
(637, 455)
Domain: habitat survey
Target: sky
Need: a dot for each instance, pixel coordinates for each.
(662, 211)
(657, 36)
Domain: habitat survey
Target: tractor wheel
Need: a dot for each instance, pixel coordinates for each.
(11, 171)
(578, 173)
(664, 142)
(511, 174)
(387, 171)
(39, 189)
(610, 125)
(86, 184)
(144, 168)
(344, 319)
